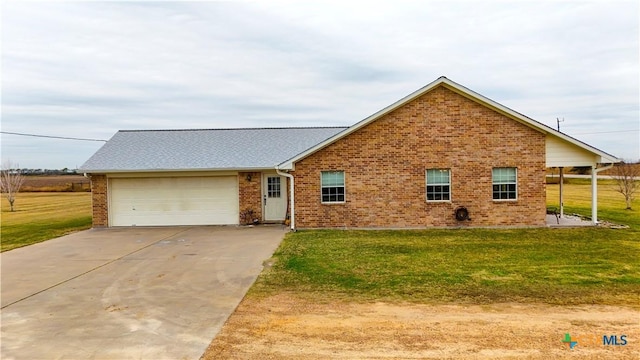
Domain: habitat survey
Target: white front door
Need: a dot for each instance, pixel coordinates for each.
(274, 197)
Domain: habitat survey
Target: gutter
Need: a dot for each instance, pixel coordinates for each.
(291, 196)
(170, 170)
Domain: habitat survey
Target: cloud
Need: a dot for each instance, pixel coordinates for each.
(88, 69)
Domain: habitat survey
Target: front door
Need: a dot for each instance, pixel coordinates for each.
(274, 197)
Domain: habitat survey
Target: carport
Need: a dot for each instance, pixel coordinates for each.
(563, 151)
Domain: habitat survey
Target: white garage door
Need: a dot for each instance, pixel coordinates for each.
(174, 201)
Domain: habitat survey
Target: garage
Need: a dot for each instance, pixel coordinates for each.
(161, 201)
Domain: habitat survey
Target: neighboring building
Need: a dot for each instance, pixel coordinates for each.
(442, 151)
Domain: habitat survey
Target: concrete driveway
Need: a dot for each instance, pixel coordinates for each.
(134, 293)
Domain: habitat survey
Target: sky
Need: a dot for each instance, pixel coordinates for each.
(88, 69)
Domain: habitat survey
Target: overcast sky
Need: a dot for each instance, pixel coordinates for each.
(88, 69)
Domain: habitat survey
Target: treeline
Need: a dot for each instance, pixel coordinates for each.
(29, 172)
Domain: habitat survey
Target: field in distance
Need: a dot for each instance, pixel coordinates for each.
(54, 183)
(41, 216)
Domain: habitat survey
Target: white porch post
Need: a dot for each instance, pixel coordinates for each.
(594, 195)
(561, 192)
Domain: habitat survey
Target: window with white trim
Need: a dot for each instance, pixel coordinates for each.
(332, 183)
(505, 183)
(438, 185)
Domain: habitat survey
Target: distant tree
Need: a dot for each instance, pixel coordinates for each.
(11, 180)
(627, 176)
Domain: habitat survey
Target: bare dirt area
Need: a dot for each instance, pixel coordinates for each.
(288, 327)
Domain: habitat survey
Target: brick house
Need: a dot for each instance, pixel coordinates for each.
(442, 156)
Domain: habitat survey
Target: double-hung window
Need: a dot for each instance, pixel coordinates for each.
(505, 183)
(438, 185)
(332, 183)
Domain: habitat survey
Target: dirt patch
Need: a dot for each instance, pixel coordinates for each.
(287, 327)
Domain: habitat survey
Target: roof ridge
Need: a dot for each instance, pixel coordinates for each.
(247, 128)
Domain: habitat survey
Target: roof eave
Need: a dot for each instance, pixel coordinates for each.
(131, 171)
(604, 156)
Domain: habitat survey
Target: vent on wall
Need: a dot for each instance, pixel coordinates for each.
(462, 213)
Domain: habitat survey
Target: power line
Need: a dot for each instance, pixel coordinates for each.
(607, 132)
(100, 140)
(50, 137)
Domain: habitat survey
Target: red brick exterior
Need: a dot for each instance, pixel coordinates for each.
(385, 164)
(99, 200)
(250, 194)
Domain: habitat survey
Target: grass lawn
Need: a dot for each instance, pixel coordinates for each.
(555, 266)
(43, 216)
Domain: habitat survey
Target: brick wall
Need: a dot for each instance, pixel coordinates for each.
(385, 164)
(250, 193)
(99, 200)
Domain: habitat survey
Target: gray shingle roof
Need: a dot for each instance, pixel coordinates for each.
(213, 149)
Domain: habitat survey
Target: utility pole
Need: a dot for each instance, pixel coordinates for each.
(559, 121)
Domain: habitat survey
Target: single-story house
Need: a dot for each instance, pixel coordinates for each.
(442, 156)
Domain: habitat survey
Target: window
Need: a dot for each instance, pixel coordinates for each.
(438, 185)
(332, 183)
(273, 186)
(505, 184)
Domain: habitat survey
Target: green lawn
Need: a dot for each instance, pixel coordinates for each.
(43, 216)
(556, 266)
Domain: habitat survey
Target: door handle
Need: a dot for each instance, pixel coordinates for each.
(265, 199)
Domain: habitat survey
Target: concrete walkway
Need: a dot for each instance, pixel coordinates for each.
(567, 221)
(135, 293)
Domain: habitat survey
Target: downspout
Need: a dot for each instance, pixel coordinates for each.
(291, 197)
(594, 191)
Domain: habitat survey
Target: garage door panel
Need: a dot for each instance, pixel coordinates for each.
(174, 201)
